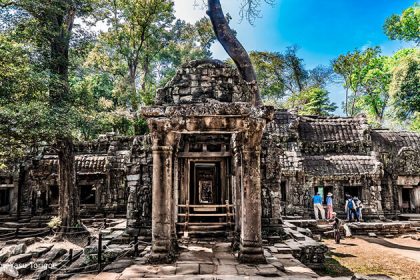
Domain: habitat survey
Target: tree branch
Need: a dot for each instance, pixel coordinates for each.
(233, 47)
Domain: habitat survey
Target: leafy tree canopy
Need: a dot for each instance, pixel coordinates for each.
(405, 26)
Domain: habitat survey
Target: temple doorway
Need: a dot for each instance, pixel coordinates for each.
(205, 202)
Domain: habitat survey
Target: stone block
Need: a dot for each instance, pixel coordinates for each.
(187, 269)
(135, 177)
(226, 269)
(21, 258)
(39, 251)
(206, 268)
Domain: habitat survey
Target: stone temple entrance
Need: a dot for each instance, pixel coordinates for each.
(206, 142)
(205, 202)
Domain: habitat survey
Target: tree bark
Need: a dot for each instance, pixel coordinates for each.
(60, 102)
(68, 193)
(233, 47)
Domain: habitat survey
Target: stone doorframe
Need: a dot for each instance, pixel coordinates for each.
(246, 123)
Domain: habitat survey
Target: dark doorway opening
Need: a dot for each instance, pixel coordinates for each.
(87, 194)
(54, 195)
(283, 191)
(205, 183)
(4, 200)
(353, 191)
(406, 201)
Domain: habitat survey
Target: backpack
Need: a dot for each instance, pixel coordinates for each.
(350, 204)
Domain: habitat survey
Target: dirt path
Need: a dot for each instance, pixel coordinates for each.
(398, 258)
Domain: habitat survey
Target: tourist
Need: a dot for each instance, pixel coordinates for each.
(336, 227)
(350, 208)
(317, 200)
(358, 208)
(329, 206)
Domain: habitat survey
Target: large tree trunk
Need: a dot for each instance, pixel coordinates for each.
(68, 194)
(60, 101)
(233, 47)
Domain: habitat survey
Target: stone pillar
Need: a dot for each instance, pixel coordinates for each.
(162, 237)
(251, 242)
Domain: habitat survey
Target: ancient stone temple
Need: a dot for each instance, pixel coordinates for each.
(213, 165)
(206, 145)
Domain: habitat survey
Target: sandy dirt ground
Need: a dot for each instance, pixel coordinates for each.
(398, 258)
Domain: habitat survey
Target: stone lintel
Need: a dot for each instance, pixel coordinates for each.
(229, 110)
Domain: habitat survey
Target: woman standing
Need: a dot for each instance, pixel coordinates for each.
(329, 206)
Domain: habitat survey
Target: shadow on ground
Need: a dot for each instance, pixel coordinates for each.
(388, 244)
(333, 268)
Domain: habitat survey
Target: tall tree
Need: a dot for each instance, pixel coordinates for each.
(349, 68)
(405, 87)
(54, 22)
(406, 26)
(313, 101)
(374, 88)
(138, 31)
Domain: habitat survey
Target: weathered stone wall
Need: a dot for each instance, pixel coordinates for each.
(108, 166)
(400, 154)
(204, 81)
(301, 153)
(139, 184)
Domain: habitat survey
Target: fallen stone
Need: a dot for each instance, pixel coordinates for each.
(40, 273)
(38, 252)
(28, 241)
(18, 249)
(5, 253)
(22, 258)
(53, 254)
(10, 270)
(372, 234)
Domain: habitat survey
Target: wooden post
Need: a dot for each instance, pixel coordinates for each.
(136, 246)
(227, 213)
(89, 241)
(100, 251)
(105, 225)
(187, 218)
(17, 232)
(70, 255)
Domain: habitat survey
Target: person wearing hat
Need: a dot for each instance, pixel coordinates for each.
(329, 206)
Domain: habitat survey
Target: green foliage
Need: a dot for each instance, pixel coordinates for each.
(405, 86)
(138, 31)
(55, 222)
(351, 68)
(283, 78)
(406, 26)
(313, 101)
(269, 68)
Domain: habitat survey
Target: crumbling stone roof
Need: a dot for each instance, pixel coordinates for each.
(85, 164)
(91, 163)
(332, 129)
(204, 81)
(397, 140)
(341, 165)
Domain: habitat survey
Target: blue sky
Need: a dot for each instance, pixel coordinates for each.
(323, 29)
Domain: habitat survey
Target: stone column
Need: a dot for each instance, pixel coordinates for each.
(162, 238)
(251, 242)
